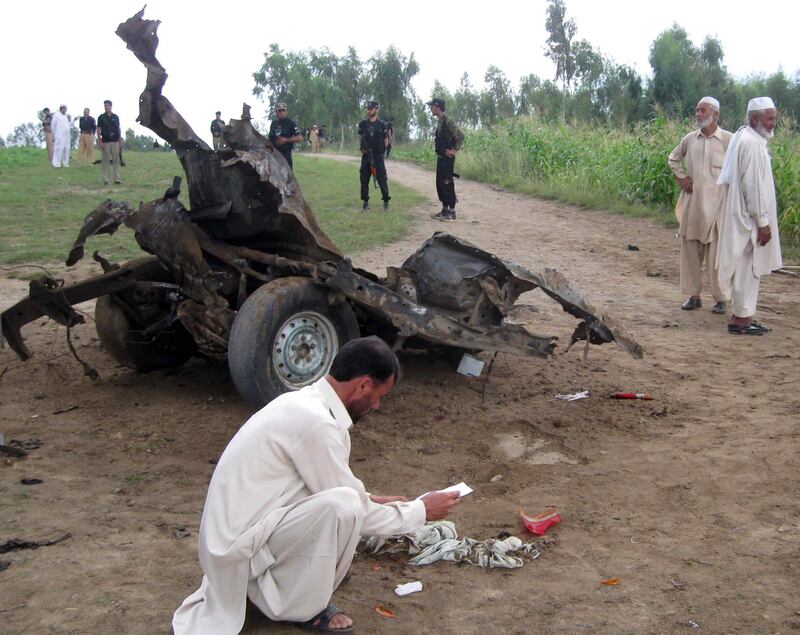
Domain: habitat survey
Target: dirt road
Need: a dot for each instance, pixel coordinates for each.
(690, 499)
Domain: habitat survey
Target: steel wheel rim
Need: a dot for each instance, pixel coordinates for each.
(304, 348)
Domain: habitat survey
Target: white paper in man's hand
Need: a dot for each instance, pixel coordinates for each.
(462, 488)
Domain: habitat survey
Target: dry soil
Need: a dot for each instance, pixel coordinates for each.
(691, 499)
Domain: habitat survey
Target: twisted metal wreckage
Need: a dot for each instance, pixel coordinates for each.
(247, 274)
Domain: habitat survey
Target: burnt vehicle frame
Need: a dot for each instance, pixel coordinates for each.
(246, 274)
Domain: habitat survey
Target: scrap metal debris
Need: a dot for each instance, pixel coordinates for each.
(16, 543)
(248, 225)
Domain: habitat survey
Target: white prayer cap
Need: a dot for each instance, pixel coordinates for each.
(760, 103)
(710, 101)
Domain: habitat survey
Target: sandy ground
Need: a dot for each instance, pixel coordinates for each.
(690, 499)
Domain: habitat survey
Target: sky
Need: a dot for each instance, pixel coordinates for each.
(56, 52)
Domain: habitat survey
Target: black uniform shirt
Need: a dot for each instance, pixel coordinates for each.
(87, 125)
(373, 135)
(286, 128)
(109, 127)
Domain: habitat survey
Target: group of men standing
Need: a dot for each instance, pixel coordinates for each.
(728, 211)
(376, 137)
(58, 138)
(375, 141)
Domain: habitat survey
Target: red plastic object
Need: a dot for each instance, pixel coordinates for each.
(540, 523)
(632, 395)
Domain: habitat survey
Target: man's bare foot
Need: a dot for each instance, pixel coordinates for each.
(338, 622)
(331, 620)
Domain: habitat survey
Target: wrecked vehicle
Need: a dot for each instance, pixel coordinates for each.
(246, 274)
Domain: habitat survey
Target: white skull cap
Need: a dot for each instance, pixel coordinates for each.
(760, 103)
(711, 101)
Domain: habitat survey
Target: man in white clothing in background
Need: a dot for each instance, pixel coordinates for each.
(284, 512)
(749, 245)
(62, 129)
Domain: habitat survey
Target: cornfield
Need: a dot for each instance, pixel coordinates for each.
(624, 170)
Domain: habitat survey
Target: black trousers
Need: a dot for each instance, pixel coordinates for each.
(445, 187)
(287, 154)
(380, 176)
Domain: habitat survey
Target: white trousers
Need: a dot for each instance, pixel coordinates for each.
(744, 287)
(306, 556)
(61, 153)
(693, 253)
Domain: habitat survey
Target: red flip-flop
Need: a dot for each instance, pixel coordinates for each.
(540, 523)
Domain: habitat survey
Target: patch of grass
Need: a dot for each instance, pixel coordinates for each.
(332, 189)
(134, 477)
(42, 208)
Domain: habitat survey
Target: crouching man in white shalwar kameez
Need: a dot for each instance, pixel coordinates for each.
(284, 512)
(749, 245)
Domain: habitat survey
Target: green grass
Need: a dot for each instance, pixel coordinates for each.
(332, 189)
(42, 208)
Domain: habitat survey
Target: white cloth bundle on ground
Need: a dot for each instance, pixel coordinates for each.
(439, 541)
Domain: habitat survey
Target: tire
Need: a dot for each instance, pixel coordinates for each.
(127, 343)
(284, 337)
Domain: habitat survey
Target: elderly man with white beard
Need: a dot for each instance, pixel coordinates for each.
(62, 127)
(749, 245)
(700, 202)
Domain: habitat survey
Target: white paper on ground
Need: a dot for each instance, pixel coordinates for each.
(575, 396)
(462, 488)
(408, 588)
(470, 366)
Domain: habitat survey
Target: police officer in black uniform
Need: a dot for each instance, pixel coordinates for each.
(373, 133)
(448, 142)
(284, 133)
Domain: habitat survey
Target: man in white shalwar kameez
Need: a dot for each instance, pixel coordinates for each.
(62, 127)
(700, 202)
(749, 245)
(284, 512)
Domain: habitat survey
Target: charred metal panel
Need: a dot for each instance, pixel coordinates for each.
(48, 297)
(245, 194)
(428, 322)
(455, 274)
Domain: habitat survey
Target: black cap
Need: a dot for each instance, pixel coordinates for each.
(373, 104)
(436, 102)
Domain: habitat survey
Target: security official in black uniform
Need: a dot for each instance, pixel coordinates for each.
(284, 133)
(373, 133)
(448, 142)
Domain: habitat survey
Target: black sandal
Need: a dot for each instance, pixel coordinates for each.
(745, 329)
(321, 622)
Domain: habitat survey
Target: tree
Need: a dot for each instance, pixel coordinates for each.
(138, 142)
(390, 76)
(559, 43)
(500, 90)
(27, 135)
(321, 87)
(465, 104)
(682, 73)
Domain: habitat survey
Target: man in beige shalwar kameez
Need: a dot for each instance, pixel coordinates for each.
(749, 245)
(700, 202)
(284, 513)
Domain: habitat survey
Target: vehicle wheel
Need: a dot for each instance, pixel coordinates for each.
(125, 340)
(135, 349)
(285, 337)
